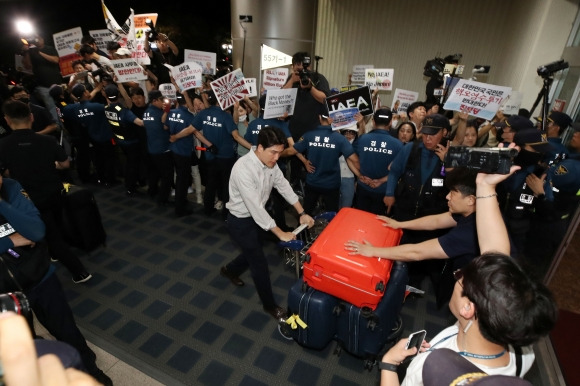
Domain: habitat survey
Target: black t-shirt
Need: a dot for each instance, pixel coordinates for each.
(42, 118)
(47, 73)
(30, 159)
(305, 117)
(460, 243)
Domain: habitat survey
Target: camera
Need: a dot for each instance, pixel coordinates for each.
(549, 69)
(152, 34)
(434, 68)
(15, 302)
(483, 159)
(304, 73)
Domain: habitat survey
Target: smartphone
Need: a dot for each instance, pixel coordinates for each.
(444, 141)
(416, 340)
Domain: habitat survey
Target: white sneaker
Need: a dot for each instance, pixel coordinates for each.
(219, 205)
(189, 190)
(172, 192)
(199, 199)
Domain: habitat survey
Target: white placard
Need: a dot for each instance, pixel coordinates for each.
(230, 88)
(102, 37)
(188, 75)
(141, 29)
(478, 99)
(207, 60)
(68, 42)
(272, 58)
(512, 105)
(251, 86)
(402, 99)
(128, 70)
(379, 78)
(279, 102)
(358, 73)
(275, 78)
(168, 91)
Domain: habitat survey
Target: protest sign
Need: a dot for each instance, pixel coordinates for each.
(359, 98)
(141, 29)
(187, 75)
(230, 88)
(478, 99)
(512, 104)
(272, 58)
(275, 78)
(251, 86)
(102, 37)
(348, 87)
(279, 102)
(379, 78)
(67, 43)
(358, 73)
(343, 118)
(207, 60)
(402, 99)
(128, 70)
(168, 91)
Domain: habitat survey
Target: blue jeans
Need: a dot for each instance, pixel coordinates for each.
(346, 192)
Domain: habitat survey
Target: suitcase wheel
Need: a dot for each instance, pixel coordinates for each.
(307, 258)
(380, 287)
(366, 312)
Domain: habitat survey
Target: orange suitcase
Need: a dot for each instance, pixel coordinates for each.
(357, 279)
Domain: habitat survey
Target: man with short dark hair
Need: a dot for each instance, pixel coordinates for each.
(416, 113)
(253, 177)
(43, 123)
(556, 126)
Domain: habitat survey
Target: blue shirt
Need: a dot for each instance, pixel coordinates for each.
(429, 161)
(558, 150)
(217, 126)
(177, 120)
(157, 136)
(324, 147)
(376, 150)
(92, 116)
(257, 124)
(121, 121)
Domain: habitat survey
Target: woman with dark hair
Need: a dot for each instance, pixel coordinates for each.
(500, 309)
(406, 132)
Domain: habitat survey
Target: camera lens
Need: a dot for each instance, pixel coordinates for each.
(15, 302)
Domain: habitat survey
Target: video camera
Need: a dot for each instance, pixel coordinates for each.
(483, 159)
(152, 35)
(549, 69)
(305, 73)
(434, 68)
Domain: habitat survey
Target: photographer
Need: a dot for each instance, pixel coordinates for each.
(97, 61)
(165, 53)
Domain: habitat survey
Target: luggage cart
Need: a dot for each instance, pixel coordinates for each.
(294, 251)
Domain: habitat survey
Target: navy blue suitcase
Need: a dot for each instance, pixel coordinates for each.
(314, 308)
(365, 333)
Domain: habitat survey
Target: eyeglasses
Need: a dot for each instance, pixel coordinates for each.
(458, 275)
(345, 132)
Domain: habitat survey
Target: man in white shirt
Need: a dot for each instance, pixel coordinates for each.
(252, 179)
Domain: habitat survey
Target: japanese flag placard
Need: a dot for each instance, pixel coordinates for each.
(481, 100)
(230, 88)
(379, 78)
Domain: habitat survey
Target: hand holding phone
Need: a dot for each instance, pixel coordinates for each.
(416, 340)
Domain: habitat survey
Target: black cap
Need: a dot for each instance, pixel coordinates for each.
(112, 91)
(78, 90)
(433, 123)
(383, 116)
(55, 91)
(517, 123)
(534, 138)
(154, 94)
(322, 110)
(561, 119)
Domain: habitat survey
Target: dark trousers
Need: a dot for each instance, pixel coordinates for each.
(182, 166)
(161, 176)
(51, 214)
(330, 198)
(132, 158)
(48, 302)
(247, 235)
(218, 178)
(104, 161)
(370, 201)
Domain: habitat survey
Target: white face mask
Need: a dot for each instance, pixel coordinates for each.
(394, 123)
(242, 118)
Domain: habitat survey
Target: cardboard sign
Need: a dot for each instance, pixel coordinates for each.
(359, 98)
(68, 42)
(251, 86)
(379, 78)
(188, 75)
(206, 60)
(128, 70)
(279, 102)
(358, 73)
(272, 58)
(230, 88)
(402, 99)
(275, 78)
(478, 99)
(513, 103)
(102, 38)
(168, 91)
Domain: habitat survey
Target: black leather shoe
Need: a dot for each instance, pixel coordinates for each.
(234, 279)
(277, 313)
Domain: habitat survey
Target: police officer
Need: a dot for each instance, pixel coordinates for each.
(180, 119)
(376, 150)
(161, 171)
(557, 124)
(122, 122)
(324, 147)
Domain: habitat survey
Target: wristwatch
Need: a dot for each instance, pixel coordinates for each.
(388, 366)
(302, 214)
